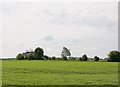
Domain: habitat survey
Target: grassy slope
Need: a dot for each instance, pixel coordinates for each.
(17, 72)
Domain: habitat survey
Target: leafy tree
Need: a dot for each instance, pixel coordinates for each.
(84, 57)
(20, 57)
(114, 56)
(96, 58)
(30, 57)
(39, 53)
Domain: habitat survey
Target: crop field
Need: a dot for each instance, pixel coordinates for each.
(46, 72)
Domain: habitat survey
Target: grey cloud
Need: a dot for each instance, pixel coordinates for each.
(49, 38)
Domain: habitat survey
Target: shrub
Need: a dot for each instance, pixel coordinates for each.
(80, 59)
(65, 58)
(30, 57)
(58, 58)
(46, 57)
(53, 58)
(20, 57)
(108, 60)
(49, 58)
(72, 58)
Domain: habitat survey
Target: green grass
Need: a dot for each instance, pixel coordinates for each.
(44, 72)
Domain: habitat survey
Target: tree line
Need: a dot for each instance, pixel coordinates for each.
(38, 54)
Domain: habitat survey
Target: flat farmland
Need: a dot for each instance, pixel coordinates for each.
(53, 72)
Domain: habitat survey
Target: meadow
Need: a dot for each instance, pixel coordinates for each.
(51, 72)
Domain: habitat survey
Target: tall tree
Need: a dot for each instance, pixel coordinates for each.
(39, 53)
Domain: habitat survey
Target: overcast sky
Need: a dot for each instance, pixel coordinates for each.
(83, 27)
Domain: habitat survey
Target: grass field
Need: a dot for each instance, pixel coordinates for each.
(45, 72)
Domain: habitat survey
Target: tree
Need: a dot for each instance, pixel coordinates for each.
(114, 56)
(39, 53)
(84, 57)
(96, 58)
(20, 57)
(30, 57)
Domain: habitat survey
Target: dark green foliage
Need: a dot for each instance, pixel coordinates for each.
(108, 60)
(58, 58)
(114, 56)
(91, 59)
(65, 58)
(39, 53)
(49, 58)
(53, 58)
(20, 57)
(80, 59)
(30, 57)
(25, 57)
(46, 57)
(72, 58)
(96, 58)
(84, 57)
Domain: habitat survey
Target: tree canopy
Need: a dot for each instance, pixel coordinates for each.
(38, 53)
(114, 56)
(96, 58)
(20, 56)
(84, 57)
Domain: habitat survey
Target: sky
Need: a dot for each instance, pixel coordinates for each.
(83, 27)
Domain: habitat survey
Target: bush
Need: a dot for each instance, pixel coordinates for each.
(80, 59)
(96, 58)
(49, 58)
(84, 57)
(20, 57)
(108, 60)
(65, 58)
(72, 58)
(53, 58)
(114, 56)
(46, 57)
(58, 58)
(30, 57)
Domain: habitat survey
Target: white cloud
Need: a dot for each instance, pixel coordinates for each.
(49, 38)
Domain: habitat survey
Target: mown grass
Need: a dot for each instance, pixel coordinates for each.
(45, 72)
